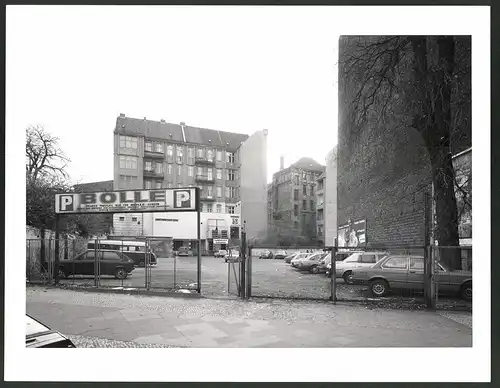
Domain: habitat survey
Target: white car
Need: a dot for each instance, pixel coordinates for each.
(298, 257)
(343, 269)
(312, 262)
(232, 256)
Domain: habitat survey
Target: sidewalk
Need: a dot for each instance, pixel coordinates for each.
(187, 322)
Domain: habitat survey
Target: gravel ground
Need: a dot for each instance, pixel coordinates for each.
(94, 342)
(461, 317)
(270, 279)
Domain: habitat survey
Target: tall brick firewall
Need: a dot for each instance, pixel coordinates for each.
(383, 173)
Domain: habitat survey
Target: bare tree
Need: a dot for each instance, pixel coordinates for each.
(425, 83)
(44, 158)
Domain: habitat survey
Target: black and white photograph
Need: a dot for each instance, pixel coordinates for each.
(273, 183)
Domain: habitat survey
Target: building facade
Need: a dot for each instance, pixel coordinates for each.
(330, 198)
(292, 199)
(156, 154)
(320, 208)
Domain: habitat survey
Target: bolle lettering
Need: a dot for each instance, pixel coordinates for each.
(137, 197)
(107, 197)
(123, 197)
(88, 198)
(157, 196)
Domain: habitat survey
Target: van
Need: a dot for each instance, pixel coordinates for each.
(136, 250)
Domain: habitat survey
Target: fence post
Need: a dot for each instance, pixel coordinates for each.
(243, 262)
(333, 270)
(56, 253)
(428, 296)
(249, 271)
(433, 287)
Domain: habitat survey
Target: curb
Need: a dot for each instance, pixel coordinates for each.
(125, 291)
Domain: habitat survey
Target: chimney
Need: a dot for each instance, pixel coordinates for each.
(122, 114)
(282, 162)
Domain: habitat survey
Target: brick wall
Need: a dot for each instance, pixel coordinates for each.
(383, 173)
(383, 165)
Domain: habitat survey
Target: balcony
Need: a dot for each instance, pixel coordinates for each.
(204, 179)
(207, 198)
(154, 155)
(202, 160)
(153, 174)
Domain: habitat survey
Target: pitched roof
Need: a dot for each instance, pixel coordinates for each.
(167, 131)
(308, 164)
(94, 186)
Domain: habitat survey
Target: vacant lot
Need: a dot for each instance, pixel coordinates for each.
(270, 278)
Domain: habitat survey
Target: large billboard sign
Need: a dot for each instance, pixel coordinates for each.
(352, 234)
(122, 201)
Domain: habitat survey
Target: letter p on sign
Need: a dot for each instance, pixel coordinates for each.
(66, 203)
(182, 199)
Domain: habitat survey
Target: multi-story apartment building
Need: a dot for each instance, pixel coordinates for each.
(156, 154)
(320, 208)
(292, 198)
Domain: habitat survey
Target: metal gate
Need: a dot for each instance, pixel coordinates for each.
(270, 275)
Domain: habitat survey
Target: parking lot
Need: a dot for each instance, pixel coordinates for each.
(270, 278)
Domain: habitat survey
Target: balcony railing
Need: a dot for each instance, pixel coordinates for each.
(153, 154)
(207, 198)
(203, 160)
(152, 173)
(204, 178)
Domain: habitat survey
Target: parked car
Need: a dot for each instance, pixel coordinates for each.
(220, 253)
(407, 272)
(111, 263)
(298, 257)
(289, 258)
(280, 255)
(39, 335)
(183, 251)
(266, 255)
(322, 267)
(311, 262)
(343, 269)
(233, 256)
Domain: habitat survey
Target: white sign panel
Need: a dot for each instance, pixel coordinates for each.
(220, 241)
(127, 201)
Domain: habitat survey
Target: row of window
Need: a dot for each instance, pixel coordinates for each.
(304, 207)
(230, 192)
(307, 176)
(201, 152)
(219, 208)
(130, 162)
(304, 192)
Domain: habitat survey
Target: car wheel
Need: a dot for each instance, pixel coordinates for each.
(466, 291)
(121, 273)
(379, 287)
(141, 264)
(347, 277)
(314, 270)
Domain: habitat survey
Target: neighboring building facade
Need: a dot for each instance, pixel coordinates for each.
(330, 198)
(384, 169)
(292, 198)
(320, 208)
(156, 154)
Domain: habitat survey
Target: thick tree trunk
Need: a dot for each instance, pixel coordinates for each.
(446, 209)
(433, 120)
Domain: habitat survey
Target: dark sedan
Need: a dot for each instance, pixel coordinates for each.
(110, 262)
(407, 272)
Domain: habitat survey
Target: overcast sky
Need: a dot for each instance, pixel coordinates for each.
(75, 69)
